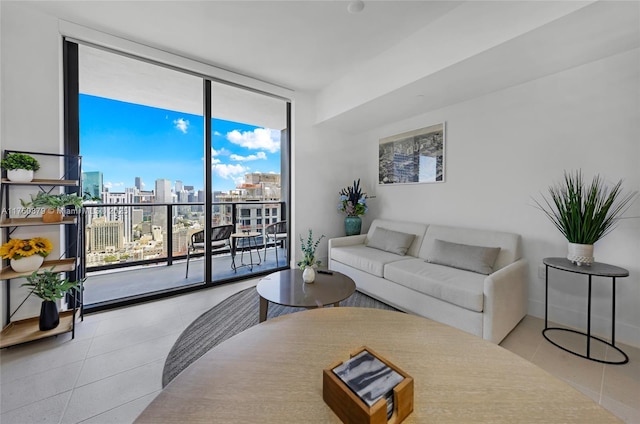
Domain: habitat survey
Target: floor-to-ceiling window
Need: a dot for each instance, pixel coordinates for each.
(157, 173)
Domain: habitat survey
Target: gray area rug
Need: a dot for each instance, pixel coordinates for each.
(228, 318)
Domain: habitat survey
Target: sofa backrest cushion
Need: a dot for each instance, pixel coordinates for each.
(478, 259)
(509, 243)
(390, 241)
(414, 228)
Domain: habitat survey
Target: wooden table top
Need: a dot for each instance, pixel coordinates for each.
(272, 373)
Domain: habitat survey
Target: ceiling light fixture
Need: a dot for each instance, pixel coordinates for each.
(355, 6)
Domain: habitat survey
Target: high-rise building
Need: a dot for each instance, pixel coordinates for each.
(257, 186)
(103, 235)
(92, 183)
(163, 191)
(179, 186)
(139, 183)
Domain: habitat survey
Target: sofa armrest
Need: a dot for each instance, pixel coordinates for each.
(505, 300)
(345, 241)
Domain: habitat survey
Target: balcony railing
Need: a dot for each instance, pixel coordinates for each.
(130, 234)
(123, 236)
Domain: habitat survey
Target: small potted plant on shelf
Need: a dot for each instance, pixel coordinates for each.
(53, 204)
(20, 167)
(49, 287)
(353, 202)
(584, 213)
(26, 255)
(309, 262)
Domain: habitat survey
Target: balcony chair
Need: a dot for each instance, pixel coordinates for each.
(273, 234)
(220, 236)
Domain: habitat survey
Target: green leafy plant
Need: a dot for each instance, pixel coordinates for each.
(48, 285)
(56, 201)
(585, 213)
(309, 250)
(20, 161)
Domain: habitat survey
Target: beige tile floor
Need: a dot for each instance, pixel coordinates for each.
(112, 369)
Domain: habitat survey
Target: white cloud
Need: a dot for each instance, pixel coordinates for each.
(221, 152)
(112, 186)
(260, 138)
(228, 171)
(217, 133)
(181, 125)
(257, 156)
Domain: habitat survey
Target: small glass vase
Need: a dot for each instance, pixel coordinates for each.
(352, 225)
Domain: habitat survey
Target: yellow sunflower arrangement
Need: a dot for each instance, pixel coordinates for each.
(21, 248)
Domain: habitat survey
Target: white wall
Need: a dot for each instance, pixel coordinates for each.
(30, 93)
(509, 146)
(324, 162)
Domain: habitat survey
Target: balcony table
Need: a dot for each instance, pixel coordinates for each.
(250, 237)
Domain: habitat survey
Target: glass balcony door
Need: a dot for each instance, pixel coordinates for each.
(159, 174)
(249, 156)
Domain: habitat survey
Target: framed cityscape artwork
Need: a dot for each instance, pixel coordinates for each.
(413, 157)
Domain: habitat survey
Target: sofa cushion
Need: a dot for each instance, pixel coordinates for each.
(390, 241)
(456, 286)
(364, 258)
(404, 227)
(509, 243)
(478, 259)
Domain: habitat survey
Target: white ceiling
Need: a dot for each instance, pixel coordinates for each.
(301, 45)
(394, 60)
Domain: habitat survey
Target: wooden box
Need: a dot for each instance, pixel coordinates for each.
(352, 410)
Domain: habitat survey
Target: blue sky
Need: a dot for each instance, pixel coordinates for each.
(126, 140)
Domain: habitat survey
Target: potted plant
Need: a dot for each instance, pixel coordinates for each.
(53, 204)
(20, 167)
(584, 213)
(353, 202)
(309, 262)
(49, 287)
(26, 255)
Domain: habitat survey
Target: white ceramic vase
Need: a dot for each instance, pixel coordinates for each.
(580, 254)
(27, 264)
(20, 175)
(309, 274)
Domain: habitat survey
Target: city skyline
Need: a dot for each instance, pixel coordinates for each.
(126, 141)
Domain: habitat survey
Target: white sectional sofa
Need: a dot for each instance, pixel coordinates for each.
(475, 280)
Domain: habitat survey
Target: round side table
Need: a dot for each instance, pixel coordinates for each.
(595, 269)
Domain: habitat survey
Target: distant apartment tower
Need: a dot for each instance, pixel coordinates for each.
(163, 191)
(257, 186)
(103, 235)
(92, 183)
(180, 239)
(139, 183)
(120, 213)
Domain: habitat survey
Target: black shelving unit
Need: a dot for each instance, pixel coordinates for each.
(70, 261)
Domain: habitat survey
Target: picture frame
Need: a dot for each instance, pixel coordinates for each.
(413, 157)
